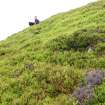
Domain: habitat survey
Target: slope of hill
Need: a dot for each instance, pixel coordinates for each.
(44, 64)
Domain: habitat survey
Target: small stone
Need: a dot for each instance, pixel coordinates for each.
(29, 66)
(90, 49)
(16, 73)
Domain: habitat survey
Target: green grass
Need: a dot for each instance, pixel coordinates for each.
(43, 64)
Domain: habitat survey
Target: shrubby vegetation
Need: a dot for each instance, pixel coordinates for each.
(45, 63)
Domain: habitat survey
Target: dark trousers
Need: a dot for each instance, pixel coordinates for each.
(31, 23)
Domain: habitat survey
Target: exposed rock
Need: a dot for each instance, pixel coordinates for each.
(95, 77)
(90, 49)
(84, 93)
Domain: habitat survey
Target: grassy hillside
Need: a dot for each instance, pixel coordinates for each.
(45, 63)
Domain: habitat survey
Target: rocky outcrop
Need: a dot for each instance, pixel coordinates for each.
(86, 93)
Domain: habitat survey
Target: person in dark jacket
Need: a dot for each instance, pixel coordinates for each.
(36, 21)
